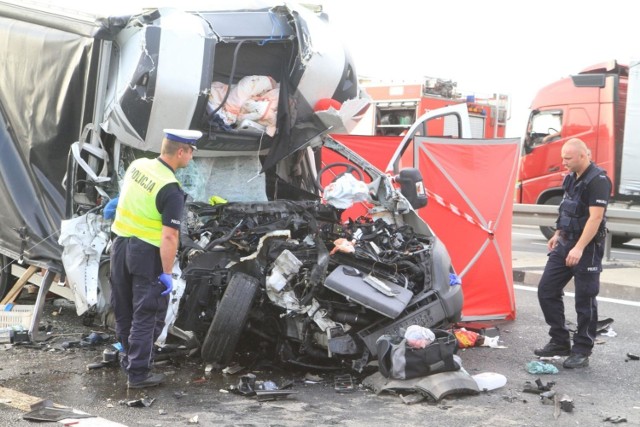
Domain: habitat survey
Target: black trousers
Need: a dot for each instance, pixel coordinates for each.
(586, 277)
(139, 307)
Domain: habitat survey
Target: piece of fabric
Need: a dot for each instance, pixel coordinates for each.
(536, 367)
(345, 191)
(254, 98)
(418, 336)
(466, 338)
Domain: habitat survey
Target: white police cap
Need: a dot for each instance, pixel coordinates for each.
(184, 136)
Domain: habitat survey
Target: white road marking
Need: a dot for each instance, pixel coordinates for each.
(24, 401)
(533, 236)
(630, 249)
(571, 294)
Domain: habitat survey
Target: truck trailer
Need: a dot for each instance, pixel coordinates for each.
(599, 105)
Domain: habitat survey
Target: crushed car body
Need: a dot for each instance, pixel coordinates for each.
(272, 276)
(265, 263)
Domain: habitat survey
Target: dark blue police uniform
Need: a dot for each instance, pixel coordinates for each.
(139, 307)
(592, 188)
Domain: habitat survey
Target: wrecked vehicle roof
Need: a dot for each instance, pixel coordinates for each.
(96, 77)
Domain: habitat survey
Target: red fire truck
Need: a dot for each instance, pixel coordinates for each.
(396, 106)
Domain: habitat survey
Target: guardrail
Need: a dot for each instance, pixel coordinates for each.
(619, 220)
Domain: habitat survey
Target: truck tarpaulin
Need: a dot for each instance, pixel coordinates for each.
(630, 173)
(470, 186)
(36, 129)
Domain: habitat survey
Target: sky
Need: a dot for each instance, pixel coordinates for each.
(492, 46)
(509, 47)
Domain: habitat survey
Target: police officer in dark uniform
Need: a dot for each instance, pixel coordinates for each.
(147, 221)
(575, 250)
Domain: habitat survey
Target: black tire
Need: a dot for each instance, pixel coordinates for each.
(230, 319)
(548, 231)
(620, 239)
(6, 278)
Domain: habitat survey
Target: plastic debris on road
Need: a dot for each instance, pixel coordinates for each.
(536, 367)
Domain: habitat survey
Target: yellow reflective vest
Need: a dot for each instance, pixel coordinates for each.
(137, 214)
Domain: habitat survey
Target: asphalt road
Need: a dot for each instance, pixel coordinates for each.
(607, 388)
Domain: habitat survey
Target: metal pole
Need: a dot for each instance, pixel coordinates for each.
(607, 246)
(39, 306)
(100, 96)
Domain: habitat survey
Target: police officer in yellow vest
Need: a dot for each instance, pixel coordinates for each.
(147, 221)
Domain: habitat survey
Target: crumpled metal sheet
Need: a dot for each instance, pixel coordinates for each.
(84, 239)
(41, 94)
(435, 387)
(46, 410)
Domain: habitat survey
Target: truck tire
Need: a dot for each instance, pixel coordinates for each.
(620, 239)
(548, 231)
(230, 319)
(6, 278)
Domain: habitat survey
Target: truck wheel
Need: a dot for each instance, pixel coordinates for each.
(6, 278)
(230, 319)
(620, 239)
(548, 231)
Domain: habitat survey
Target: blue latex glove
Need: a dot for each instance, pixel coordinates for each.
(454, 279)
(167, 281)
(110, 208)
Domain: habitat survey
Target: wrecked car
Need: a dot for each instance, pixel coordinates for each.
(265, 262)
(272, 278)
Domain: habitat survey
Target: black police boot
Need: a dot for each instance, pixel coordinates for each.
(576, 360)
(553, 349)
(151, 380)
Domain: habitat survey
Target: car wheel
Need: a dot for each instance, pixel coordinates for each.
(548, 231)
(230, 319)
